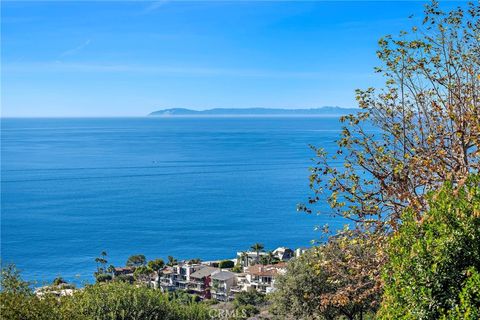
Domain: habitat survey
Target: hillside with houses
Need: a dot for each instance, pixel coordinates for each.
(219, 280)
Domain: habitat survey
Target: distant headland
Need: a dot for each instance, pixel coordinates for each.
(231, 112)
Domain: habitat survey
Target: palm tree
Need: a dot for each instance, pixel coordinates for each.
(271, 257)
(257, 247)
(171, 261)
(244, 258)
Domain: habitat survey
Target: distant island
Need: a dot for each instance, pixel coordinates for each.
(324, 111)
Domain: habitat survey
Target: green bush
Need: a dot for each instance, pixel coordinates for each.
(117, 300)
(427, 276)
(226, 264)
(124, 278)
(103, 277)
(251, 297)
(469, 299)
(101, 301)
(15, 306)
(247, 311)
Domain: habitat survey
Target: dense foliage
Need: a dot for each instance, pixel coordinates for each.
(318, 285)
(421, 130)
(435, 261)
(226, 264)
(136, 261)
(108, 301)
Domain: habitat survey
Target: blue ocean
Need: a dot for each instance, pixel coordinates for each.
(186, 187)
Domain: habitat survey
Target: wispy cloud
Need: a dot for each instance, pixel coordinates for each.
(76, 49)
(58, 66)
(155, 5)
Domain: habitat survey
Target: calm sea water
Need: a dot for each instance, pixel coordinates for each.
(187, 187)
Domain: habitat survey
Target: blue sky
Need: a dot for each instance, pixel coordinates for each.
(130, 58)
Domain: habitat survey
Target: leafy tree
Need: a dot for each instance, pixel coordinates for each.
(101, 262)
(142, 274)
(156, 265)
(11, 281)
(184, 297)
(113, 300)
(420, 130)
(195, 261)
(127, 278)
(136, 261)
(58, 281)
(103, 277)
(299, 290)
(15, 306)
(17, 300)
(430, 260)
(468, 307)
(237, 268)
(251, 297)
(245, 311)
(331, 281)
(226, 264)
(116, 300)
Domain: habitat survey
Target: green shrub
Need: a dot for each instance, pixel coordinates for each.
(427, 276)
(124, 278)
(103, 277)
(118, 300)
(251, 297)
(247, 311)
(468, 307)
(226, 264)
(101, 301)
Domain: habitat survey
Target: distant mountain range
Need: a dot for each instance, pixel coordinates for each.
(253, 112)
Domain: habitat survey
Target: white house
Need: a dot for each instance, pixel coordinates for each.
(222, 284)
(262, 277)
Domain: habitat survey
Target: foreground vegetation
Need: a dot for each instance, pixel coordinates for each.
(410, 187)
(411, 190)
(113, 300)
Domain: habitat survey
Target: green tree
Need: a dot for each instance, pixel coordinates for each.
(171, 261)
(117, 300)
(58, 281)
(430, 260)
(269, 258)
(156, 265)
(226, 264)
(101, 262)
(331, 280)
(419, 130)
(111, 269)
(195, 261)
(11, 281)
(103, 277)
(251, 297)
(17, 300)
(143, 274)
(299, 290)
(257, 247)
(136, 261)
(468, 307)
(113, 300)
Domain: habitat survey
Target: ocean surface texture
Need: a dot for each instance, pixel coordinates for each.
(186, 187)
